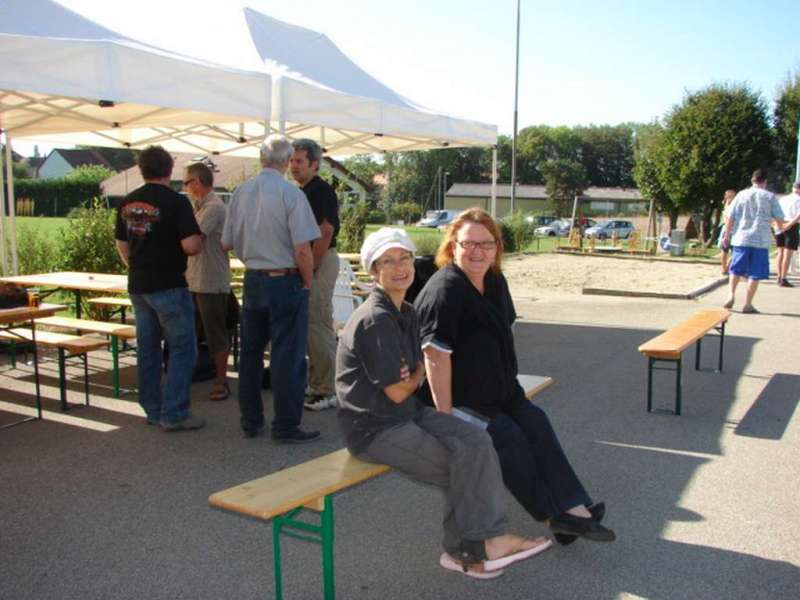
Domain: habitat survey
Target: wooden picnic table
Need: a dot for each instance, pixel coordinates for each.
(75, 281)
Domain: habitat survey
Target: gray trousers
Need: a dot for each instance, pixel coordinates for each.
(321, 336)
(459, 458)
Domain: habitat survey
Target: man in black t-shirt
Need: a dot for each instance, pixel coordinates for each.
(155, 231)
(304, 166)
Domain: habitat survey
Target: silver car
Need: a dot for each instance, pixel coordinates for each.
(607, 229)
(556, 228)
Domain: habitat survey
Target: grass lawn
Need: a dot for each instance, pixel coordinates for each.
(48, 226)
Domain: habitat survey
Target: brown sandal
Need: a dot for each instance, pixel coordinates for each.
(220, 391)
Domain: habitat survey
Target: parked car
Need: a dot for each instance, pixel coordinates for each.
(556, 228)
(540, 220)
(607, 229)
(437, 218)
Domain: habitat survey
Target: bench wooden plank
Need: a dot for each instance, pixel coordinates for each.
(533, 384)
(675, 340)
(112, 301)
(280, 492)
(73, 343)
(122, 331)
(307, 484)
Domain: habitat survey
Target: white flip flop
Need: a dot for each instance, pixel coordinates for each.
(451, 564)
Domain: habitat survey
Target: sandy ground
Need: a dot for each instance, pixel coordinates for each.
(547, 275)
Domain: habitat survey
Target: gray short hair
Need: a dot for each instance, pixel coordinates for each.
(276, 150)
(310, 147)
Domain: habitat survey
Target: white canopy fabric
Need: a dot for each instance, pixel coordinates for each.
(214, 79)
(204, 80)
(66, 79)
(320, 93)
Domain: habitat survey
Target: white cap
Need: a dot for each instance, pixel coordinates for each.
(380, 241)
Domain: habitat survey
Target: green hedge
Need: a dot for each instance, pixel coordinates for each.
(57, 197)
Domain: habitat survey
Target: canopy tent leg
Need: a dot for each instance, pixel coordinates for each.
(3, 260)
(11, 209)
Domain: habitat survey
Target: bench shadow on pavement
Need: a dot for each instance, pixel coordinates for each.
(641, 463)
(771, 412)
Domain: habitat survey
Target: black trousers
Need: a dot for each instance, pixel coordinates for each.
(535, 469)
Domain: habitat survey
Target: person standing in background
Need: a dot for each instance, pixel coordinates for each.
(304, 166)
(271, 227)
(155, 232)
(209, 272)
(787, 239)
(747, 229)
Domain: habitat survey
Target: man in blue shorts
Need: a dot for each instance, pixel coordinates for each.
(748, 230)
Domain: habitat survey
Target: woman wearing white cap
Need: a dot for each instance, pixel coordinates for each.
(378, 370)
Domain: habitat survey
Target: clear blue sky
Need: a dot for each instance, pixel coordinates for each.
(580, 62)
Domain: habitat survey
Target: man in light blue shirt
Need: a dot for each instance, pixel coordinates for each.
(271, 226)
(748, 227)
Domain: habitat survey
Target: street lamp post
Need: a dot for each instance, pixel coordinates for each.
(514, 138)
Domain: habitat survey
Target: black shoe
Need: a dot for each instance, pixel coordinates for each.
(251, 433)
(583, 527)
(597, 510)
(298, 436)
(784, 283)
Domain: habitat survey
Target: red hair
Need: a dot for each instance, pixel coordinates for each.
(472, 215)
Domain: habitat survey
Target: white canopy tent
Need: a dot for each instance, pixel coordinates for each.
(72, 77)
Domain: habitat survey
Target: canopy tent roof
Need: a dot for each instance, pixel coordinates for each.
(166, 87)
(67, 79)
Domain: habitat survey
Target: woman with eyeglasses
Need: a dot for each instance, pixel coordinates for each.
(466, 313)
(378, 371)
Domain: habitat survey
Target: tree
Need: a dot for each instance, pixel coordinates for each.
(607, 154)
(119, 158)
(646, 171)
(712, 142)
(564, 179)
(412, 174)
(786, 120)
(89, 173)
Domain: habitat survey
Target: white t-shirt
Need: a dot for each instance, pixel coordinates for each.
(790, 205)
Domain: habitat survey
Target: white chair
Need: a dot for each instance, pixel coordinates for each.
(344, 302)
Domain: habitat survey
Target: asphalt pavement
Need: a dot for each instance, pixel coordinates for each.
(97, 504)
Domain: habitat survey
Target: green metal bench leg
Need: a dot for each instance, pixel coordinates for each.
(697, 355)
(328, 579)
(649, 384)
(62, 378)
(277, 524)
(115, 364)
(323, 535)
(721, 330)
(85, 357)
(678, 387)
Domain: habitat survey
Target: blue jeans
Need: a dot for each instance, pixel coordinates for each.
(274, 310)
(535, 469)
(167, 315)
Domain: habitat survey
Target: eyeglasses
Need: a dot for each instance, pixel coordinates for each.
(188, 181)
(484, 245)
(405, 261)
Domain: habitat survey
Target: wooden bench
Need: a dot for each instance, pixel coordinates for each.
(669, 347)
(76, 346)
(111, 305)
(115, 331)
(282, 496)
